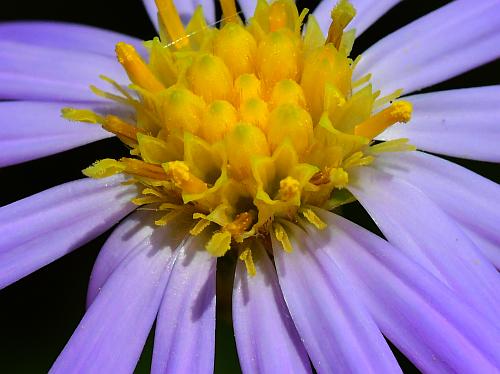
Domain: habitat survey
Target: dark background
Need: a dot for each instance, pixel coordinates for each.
(39, 313)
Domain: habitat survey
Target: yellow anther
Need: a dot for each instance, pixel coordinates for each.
(172, 23)
(241, 223)
(289, 188)
(229, 12)
(210, 78)
(277, 16)
(219, 244)
(179, 172)
(154, 150)
(220, 119)
(321, 177)
(313, 218)
(136, 68)
(182, 109)
(246, 257)
(200, 226)
(120, 128)
(246, 86)
(282, 236)
(104, 168)
(342, 14)
(242, 144)
(81, 115)
(143, 169)
(287, 91)
(399, 111)
(237, 48)
(278, 58)
(290, 122)
(339, 177)
(255, 112)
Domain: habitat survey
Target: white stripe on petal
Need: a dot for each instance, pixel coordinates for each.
(424, 319)
(185, 328)
(461, 123)
(265, 335)
(367, 13)
(449, 41)
(414, 224)
(338, 332)
(472, 201)
(41, 228)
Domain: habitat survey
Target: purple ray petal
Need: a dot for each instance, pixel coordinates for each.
(461, 123)
(126, 238)
(30, 130)
(449, 41)
(67, 36)
(185, 328)
(185, 8)
(265, 335)
(247, 7)
(337, 330)
(367, 13)
(41, 228)
(414, 224)
(426, 321)
(472, 201)
(111, 335)
(40, 73)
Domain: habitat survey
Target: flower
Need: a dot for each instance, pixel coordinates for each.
(326, 295)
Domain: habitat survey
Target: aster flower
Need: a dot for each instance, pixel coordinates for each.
(242, 140)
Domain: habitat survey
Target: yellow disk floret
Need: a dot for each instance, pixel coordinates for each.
(246, 126)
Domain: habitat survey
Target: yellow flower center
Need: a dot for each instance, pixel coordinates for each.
(248, 124)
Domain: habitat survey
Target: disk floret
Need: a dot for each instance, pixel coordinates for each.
(245, 125)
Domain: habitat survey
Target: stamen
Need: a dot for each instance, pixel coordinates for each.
(121, 128)
(136, 69)
(398, 112)
(246, 256)
(172, 22)
(143, 169)
(81, 115)
(282, 237)
(200, 226)
(179, 172)
(313, 218)
(219, 243)
(241, 224)
(342, 14)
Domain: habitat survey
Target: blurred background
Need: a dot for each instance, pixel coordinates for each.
(39, 313)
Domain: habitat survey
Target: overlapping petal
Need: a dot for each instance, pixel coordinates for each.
(66, 36)
(338, 332)
(30, 130)
(265, 335)
(414, 224)
(111, 335)
(31, 72)
(367, 13)
(472, 201)
(41, 228)
(449, 41)
(461, 123)
(185, 329)
(422, 317)
(185, 8)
